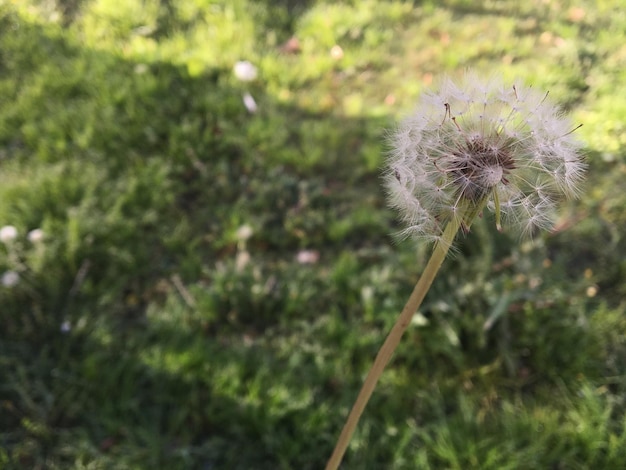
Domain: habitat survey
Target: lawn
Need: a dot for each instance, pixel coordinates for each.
(198, 270)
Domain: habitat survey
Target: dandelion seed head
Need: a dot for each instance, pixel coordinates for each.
(482, 144)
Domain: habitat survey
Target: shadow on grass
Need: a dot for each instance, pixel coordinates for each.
(161, 168)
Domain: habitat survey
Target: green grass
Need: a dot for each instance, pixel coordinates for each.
(139, 338)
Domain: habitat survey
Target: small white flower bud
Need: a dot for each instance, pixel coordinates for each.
(244, 233)
(245, 71)
(35, 236)
(65, 327)
(8, 233)
(10, 279)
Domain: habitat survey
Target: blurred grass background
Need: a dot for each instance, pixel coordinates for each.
(149, 330)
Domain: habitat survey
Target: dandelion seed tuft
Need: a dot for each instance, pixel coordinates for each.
(482, 145)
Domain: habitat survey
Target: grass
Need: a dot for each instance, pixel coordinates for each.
(144, 333)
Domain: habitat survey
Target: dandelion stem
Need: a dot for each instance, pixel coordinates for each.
(390, 344)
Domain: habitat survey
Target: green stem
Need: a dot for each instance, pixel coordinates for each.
(390, 344)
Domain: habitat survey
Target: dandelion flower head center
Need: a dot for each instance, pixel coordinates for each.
(478, 166)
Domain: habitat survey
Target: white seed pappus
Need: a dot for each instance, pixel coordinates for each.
(482, 144)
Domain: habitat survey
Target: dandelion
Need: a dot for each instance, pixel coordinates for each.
(10, 279)
(468, 148)
(245, 71)
(8, 233)
(482, 145)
